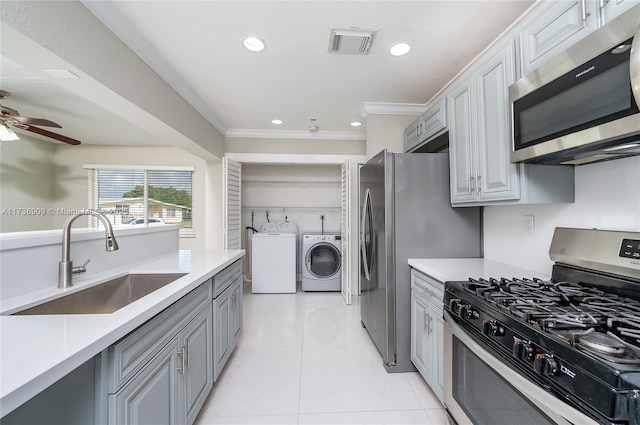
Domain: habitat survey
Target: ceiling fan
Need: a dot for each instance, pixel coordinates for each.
(11, 116)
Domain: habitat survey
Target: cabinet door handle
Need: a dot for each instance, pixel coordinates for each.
(182, 359)
(603, 2)
(471, 185)
(479, 186)
(187, 356)
(426, 321)
(585, 14)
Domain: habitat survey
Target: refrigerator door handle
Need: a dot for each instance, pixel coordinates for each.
(366, 205)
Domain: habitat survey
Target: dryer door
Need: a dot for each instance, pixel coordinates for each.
(323, 260)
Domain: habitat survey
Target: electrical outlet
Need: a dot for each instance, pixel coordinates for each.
(529, 224)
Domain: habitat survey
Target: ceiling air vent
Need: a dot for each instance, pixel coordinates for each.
(351, 41)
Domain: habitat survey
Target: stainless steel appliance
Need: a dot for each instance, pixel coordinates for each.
(322, 256)
(558, 351)
(582, 106)
(406, 212)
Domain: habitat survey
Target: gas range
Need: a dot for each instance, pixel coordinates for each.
(576, 335)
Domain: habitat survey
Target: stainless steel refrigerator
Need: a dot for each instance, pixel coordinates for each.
(406, 213)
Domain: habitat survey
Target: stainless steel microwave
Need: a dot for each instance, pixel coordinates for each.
(582, 106)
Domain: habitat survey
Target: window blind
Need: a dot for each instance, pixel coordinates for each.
(142, 197)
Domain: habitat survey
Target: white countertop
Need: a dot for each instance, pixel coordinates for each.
(444, 269)
(36, 351)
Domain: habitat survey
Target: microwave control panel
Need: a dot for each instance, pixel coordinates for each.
(630, 248)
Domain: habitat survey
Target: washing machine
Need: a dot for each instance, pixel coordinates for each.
(322, 262)
(273, 259)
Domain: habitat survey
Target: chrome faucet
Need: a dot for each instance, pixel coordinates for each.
(65, 267)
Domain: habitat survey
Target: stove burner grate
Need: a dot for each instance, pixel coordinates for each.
(564, 306)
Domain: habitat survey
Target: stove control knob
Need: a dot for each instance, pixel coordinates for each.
(492, 328)
(545, 365)
(468, 312)
(523, 350)
(454, 305)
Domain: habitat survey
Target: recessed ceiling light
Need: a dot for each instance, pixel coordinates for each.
(253, 44)
(356, 124)
(277, 122)
(399, 49)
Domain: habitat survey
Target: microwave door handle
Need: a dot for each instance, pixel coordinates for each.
(634, 66)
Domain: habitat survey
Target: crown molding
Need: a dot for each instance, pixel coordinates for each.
(380, 108)
(283, 134)
(270, 158)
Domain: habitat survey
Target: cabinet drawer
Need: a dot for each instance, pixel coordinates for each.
(133, 352)
(226, 277)
(433, 289)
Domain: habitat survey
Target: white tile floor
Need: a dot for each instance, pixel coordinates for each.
(304, 359)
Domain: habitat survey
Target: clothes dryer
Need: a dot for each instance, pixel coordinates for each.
(322, 262)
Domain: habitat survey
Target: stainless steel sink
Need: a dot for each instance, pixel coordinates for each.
(106, 297)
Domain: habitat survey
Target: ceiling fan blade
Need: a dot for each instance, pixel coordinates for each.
(31, 121)
(48, 133)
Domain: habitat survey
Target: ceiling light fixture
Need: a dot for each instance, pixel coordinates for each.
(277, 122)
(399, 49)
(356, 124)
(253, 44)
(6, 134)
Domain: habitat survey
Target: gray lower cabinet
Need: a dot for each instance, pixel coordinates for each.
(151, 397)
(160, 373)
(427, 330)
(227, 315)
(163, 371)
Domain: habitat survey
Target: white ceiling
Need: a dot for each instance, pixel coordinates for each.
(196, 46)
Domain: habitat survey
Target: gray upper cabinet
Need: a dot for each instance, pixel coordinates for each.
(431, 124)
(497, 178)
(479, 144)
(462, 142)
(559, 25)
(609, 9)
(412, 135)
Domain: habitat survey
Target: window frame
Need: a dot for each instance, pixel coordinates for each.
(93, 189)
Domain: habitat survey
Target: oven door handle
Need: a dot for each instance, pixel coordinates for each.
(547, 402)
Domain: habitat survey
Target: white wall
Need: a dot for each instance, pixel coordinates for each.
(607, 197)
(295, 146)
(30, 260)
(26, 181)
(386, 132)
(71, 188)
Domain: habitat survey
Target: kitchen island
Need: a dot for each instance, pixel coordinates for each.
(36, 351)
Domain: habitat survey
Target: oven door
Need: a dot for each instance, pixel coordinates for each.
(482, 390)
